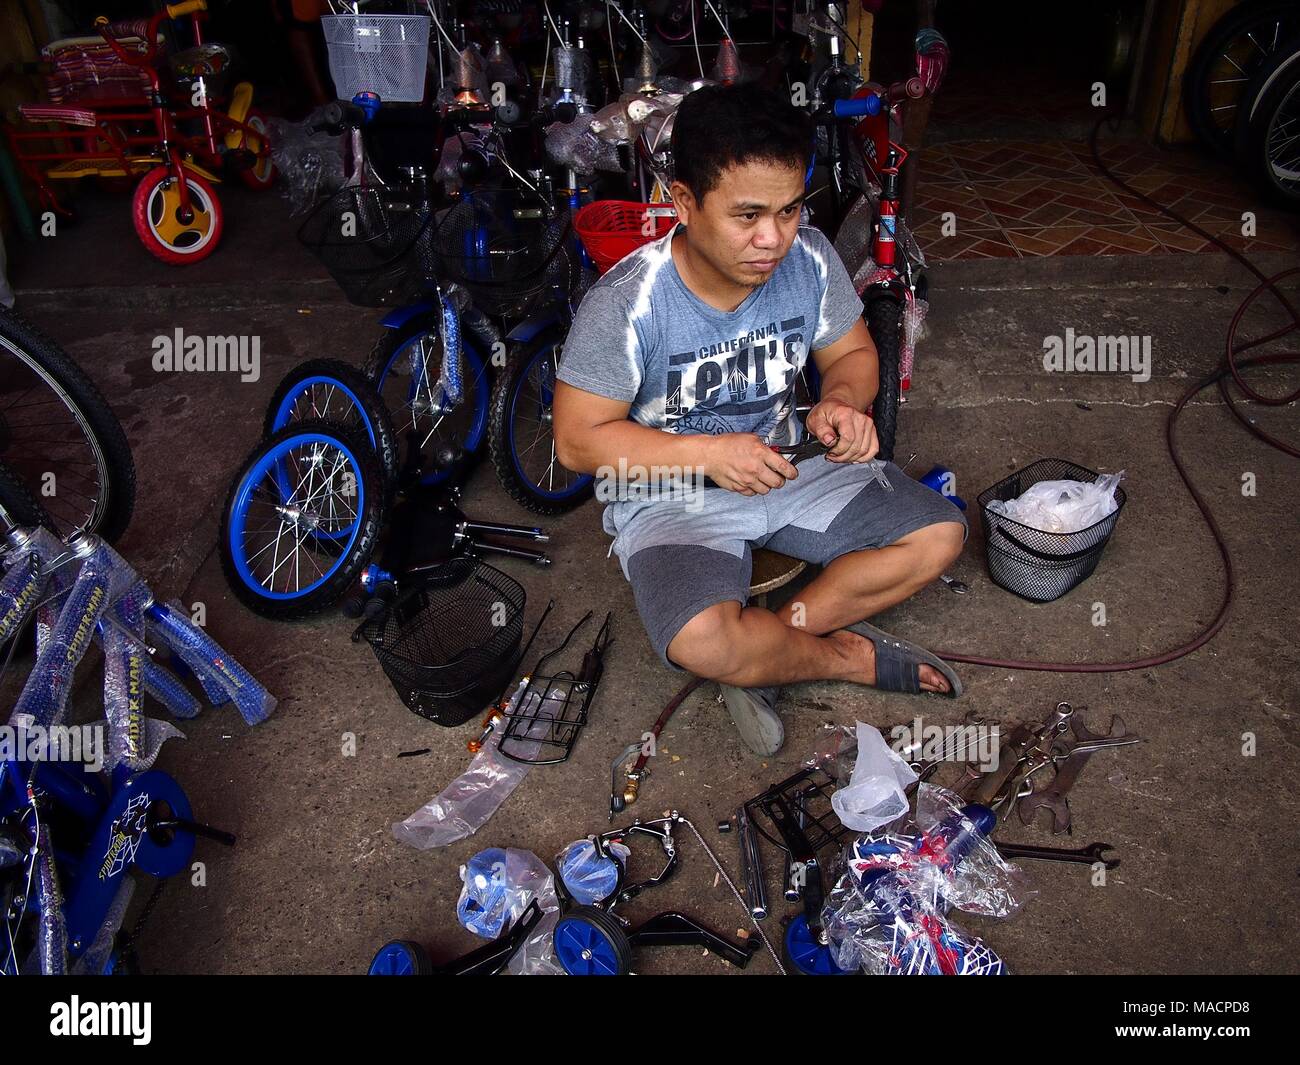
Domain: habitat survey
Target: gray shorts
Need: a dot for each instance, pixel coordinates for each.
(683, 556)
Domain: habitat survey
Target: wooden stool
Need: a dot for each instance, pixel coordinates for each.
(771, 570)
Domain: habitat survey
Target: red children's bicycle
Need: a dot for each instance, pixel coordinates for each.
(172, 123)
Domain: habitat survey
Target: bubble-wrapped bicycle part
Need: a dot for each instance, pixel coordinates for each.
(134, 740)
(888, 911)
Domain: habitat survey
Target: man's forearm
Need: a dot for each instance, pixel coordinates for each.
(637, 445)
(853, 379)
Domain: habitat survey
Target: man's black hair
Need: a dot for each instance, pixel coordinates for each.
(718, 127)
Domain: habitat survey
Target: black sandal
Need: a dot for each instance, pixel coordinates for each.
(899, 661)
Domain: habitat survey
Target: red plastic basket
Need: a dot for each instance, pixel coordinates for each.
(611, 229)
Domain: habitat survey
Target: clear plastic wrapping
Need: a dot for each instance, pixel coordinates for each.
(20, 591)
(309, 166)
(224, 679)
(465, 805)
(888, 911)
(1062, 506)
(587, 876)
(102, 578)
(134, 740)
(52, 928)
(497, 885)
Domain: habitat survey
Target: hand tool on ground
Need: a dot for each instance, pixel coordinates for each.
(1071, 758)
(1089, 855)
(960, 587)
(751, 866)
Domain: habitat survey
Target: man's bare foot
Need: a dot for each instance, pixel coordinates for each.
(862, 653)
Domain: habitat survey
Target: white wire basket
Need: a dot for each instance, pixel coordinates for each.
(383, 54)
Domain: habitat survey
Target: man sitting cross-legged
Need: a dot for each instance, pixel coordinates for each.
(685, 355)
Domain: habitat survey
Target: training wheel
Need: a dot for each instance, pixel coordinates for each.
(806, 954)
(589, 942)
(401, 957)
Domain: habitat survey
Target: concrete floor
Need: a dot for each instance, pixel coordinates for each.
(317, 881)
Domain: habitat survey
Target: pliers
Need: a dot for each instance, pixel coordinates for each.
(810, 446)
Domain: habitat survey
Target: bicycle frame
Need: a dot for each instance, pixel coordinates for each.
(129, 135)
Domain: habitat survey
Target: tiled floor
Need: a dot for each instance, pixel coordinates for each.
(1013, 199)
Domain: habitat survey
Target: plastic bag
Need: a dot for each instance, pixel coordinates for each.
(497, 886)
(1062, 506)
(875, 793)
(310, 165)
(465, 805)
(587, 876)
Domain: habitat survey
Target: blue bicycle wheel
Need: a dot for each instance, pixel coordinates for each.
(589, 942)
(404, 368)
(808, 955)
(302, 519)
(521, 436)
(333, 391)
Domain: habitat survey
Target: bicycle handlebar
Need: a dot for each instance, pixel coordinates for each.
(336, 116)
(188, 7)
(875, 102)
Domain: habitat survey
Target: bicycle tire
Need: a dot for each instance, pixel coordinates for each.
(349, 558)
(503, 443)
(1275, 89)
(18, 507)
(113, 495)
(1211, 123)
(380, 369)
(884, 315)
(359, 404)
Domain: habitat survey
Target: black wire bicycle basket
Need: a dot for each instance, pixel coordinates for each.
(500, 246)
(1034, 564)
(450, 645)
(373, 241)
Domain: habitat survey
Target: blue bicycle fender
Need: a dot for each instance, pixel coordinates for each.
(399, 316)
(531, 326)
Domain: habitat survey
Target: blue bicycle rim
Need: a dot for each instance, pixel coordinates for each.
(243, 500)
(286, 406)
(305, 385)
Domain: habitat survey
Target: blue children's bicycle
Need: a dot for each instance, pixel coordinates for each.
(82, 806)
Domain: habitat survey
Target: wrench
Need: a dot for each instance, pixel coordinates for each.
(1089, 855)
(1033, 758)
(1068, 769)
(983, 787)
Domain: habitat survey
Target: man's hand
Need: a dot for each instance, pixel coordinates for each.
(849, 433)
(741, 462)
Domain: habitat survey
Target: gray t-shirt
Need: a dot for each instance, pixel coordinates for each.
(642, 336)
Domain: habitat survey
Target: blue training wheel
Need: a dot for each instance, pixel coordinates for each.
(806, 954)
(401, 957)
(589, 942)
